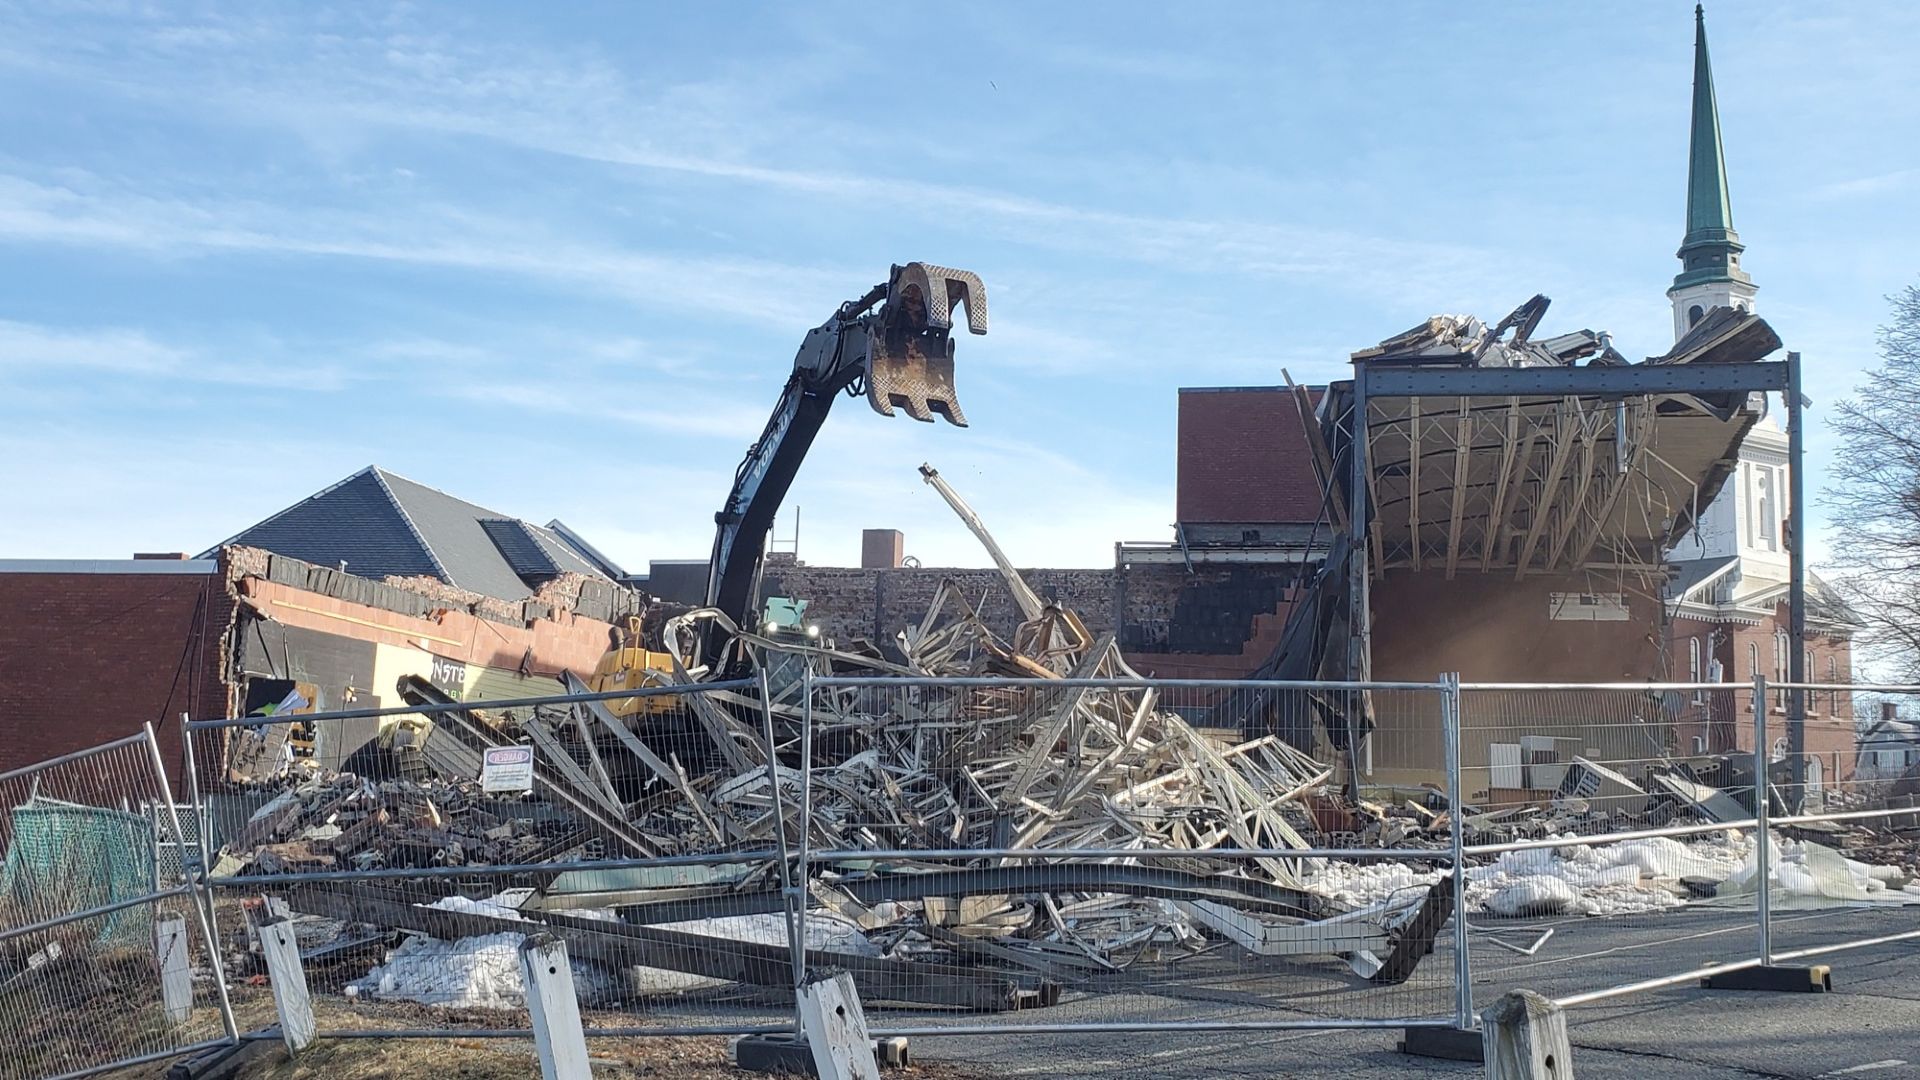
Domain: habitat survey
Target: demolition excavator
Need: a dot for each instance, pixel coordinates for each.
(895, 346)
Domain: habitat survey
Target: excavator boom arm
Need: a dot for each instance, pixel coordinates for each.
(896, 342)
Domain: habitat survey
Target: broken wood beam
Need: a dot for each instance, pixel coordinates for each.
(622, 945)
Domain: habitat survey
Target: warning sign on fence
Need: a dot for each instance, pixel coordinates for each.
(508, 769)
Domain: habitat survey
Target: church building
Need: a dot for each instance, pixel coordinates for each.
(1727, 600)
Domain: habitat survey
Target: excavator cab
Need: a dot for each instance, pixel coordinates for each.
(910, 354)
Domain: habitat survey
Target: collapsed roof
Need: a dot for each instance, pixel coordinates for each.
(1529, 480)
(1540, 483)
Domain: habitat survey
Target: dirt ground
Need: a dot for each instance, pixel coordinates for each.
(666, 1058)
(510, 1059)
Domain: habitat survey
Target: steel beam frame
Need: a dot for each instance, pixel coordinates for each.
(1589, 381)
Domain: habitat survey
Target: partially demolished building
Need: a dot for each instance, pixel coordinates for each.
(1505, 505)
(326, 605)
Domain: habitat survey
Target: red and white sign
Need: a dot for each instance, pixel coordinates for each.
(507, 769)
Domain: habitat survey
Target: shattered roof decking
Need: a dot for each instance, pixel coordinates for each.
(1534, 483)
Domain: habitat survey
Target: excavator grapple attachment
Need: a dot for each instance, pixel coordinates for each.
(910, 358)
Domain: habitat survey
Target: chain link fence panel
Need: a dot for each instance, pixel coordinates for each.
(104, 951)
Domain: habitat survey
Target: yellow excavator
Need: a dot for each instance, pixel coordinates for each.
(894, 345)
(629, 665)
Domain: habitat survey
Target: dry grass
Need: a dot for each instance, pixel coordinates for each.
(675, 1058)
(503, 1059)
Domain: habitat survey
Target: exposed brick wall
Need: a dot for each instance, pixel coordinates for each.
(851, 602)
(88, 658)
(1243, 457)
(1215, 621)
(1266, 631)
(1495, 629)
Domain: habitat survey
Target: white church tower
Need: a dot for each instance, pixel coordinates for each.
(1747, 519)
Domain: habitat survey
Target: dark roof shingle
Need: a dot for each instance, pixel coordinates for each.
(384, 525)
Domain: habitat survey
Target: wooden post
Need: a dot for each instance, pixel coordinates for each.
(1526, 1039)
(176, 970)
(554, 1009)
(835, 1029)
(289, 982)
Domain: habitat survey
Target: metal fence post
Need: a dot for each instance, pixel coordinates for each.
(1762, 835)
(197, 884)
(203, 824)
(553, 1007)
(791, 897)
(1450, 714)
(806, 832)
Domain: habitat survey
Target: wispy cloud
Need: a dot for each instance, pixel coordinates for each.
(1861, 186)
(24, 346)
(31, 350)
(581, 107)
(102, 214)
(645, 408)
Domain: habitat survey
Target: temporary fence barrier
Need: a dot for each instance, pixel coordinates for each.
(1847, 819)
(982, 856)
(688, 831)
(1832, 874)
(104, 962)
(1604, 800)
(450, 831)
(1133, 854)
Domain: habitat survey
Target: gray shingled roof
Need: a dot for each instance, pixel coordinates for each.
(385, 525)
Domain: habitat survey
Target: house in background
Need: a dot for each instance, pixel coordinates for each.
(1889, 746)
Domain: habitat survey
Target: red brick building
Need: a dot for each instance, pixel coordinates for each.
(90, 650)
(1727, 627)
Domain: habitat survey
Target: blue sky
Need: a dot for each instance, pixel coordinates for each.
(556, 258)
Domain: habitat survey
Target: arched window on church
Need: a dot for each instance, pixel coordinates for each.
(1694, 313)
(1782, 648)
(1693, 667)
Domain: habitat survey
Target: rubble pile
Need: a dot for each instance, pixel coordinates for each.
(346, 821)
(911, 768)
(927, 770)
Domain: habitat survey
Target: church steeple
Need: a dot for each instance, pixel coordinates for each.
(1710, 274)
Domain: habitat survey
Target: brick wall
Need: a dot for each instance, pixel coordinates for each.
(1724, 722)
(1243, 457)
(875, 604)
(88, 658)
(1213, 622)
(1495, 629)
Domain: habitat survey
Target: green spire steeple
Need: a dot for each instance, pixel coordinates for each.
(1711, 250)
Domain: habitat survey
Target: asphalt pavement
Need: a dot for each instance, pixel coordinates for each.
(1869, 1027)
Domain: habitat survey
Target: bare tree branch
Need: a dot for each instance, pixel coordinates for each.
(1874, 494)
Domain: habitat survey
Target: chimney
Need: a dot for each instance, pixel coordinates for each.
(882, 549)
(161, 556)
(1889, 710)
